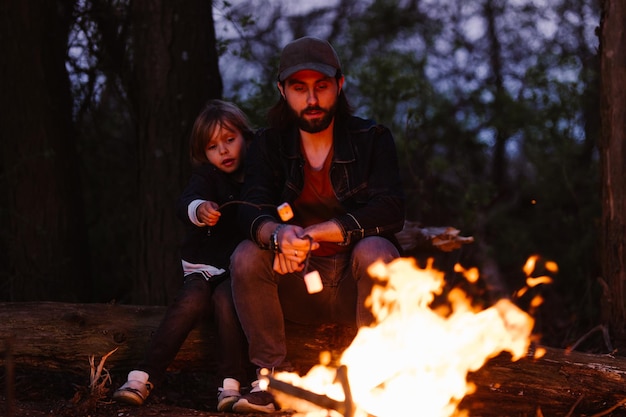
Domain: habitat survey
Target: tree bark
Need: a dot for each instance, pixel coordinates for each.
(58, 336)
(613, 162)
(43, 243)
(175, 72)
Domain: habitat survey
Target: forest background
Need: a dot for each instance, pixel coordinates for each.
(493, 104)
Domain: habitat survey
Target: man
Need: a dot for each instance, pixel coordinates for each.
(339, 174)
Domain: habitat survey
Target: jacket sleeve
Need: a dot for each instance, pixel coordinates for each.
(383, 210)
(262, 185)
(201, 186)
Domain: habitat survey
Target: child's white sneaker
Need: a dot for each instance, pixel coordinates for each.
(135, 390)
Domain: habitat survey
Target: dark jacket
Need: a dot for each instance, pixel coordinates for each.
(214, 246)
(364, 175)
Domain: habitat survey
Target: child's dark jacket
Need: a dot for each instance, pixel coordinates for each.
(210, 245)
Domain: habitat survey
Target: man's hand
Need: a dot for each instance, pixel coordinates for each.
(283, 265)
(294, 248)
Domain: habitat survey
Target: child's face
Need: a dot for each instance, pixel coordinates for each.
(226, 149)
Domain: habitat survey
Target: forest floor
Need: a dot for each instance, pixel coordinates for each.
(57, 394)
(529, 392)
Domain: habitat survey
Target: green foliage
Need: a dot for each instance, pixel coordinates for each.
(454, 93)
(256, 105)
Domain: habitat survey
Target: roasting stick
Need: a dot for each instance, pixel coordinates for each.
(343, 407)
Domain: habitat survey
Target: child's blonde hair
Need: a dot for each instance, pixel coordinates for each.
(215, 115)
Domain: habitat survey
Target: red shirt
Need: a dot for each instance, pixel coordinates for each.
(317, 203)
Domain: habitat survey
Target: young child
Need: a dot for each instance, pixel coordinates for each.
(218, 145)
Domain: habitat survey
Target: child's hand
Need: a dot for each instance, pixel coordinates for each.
(207, 213)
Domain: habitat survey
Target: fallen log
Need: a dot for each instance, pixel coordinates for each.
(560, 383)
(60, 336)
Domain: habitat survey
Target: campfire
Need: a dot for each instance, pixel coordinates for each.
(415, 356)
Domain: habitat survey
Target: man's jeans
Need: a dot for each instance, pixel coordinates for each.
(264, 299)
(194, 300)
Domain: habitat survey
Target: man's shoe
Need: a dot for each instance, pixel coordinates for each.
(228, 394)
(135, 390)
(256, 401)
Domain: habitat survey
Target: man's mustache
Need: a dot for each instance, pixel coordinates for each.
(315, 108)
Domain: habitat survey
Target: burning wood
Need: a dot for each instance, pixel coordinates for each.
(413, 351)
(445, 238)
(345, 407)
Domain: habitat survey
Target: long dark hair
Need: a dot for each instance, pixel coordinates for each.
(281, 117)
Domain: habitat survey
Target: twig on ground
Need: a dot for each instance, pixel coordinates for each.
(605, 335)
(87, 398)
(97, 381)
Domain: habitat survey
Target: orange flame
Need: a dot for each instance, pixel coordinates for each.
(415, 357)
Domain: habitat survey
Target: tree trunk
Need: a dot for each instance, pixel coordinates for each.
(43, 243)
(613, 162)
(57, 336)
(175, 72)
(498, 170)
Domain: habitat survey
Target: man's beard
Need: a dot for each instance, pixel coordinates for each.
(315, 125)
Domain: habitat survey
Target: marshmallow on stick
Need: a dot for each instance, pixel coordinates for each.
(313, 282)
(285, 212)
